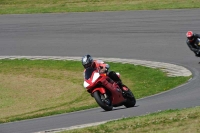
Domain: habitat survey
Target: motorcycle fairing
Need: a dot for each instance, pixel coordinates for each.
(100, 89)
(91, 76)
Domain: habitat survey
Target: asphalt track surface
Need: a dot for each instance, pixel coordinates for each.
(144, 35)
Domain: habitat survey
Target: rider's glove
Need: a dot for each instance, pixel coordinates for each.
(102, 69)
(107, 66)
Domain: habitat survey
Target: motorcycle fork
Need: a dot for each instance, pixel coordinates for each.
(106, 99)
(105, 96)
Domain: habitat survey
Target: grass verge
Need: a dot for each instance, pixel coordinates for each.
(36, 88)
(169, 121)
(61, 6)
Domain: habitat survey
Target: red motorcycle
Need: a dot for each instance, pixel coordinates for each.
(107, 97)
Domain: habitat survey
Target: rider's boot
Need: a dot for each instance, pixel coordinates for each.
(125, 90)
(119, 83)
(121, 86)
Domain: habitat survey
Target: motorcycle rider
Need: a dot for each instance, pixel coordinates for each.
(191, 39)
(88, 62)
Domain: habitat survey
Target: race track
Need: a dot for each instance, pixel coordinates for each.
(144, 35)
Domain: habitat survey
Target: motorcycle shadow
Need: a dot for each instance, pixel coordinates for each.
(120, 108)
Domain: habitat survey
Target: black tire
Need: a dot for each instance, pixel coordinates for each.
(101, 101)
(131, 101)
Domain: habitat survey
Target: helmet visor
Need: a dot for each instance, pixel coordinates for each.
(190, 38)
(87, 65)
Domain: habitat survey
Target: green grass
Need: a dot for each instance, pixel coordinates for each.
(36, 88)
(61, 6)
(31, 89)
(169, 121)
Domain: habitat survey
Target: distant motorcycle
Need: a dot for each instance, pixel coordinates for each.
(107, 98)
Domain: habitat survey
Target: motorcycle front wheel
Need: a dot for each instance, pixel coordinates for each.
(102, 101)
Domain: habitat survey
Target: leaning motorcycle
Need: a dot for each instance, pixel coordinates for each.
(110, 97)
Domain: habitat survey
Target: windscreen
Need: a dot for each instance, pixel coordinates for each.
(88, 72)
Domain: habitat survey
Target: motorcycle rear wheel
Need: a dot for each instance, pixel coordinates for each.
(100, 99)
(130, 101)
